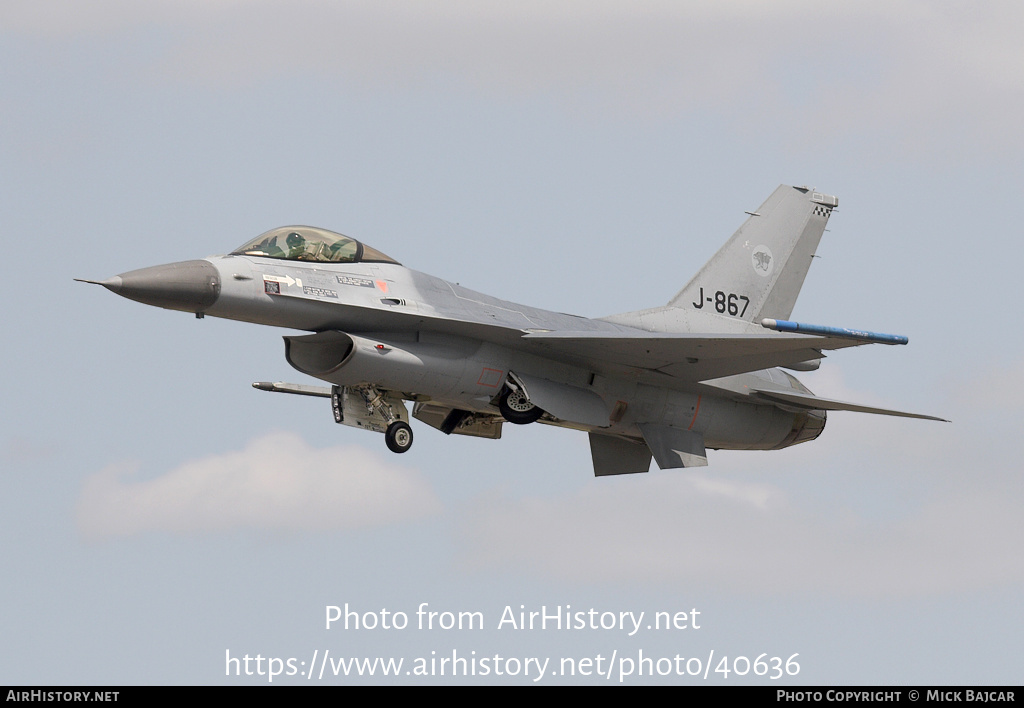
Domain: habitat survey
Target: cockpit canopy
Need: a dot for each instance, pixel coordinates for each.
(306, 243)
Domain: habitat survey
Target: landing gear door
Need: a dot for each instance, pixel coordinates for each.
(449, 420)
(564, 401)
(349, 408)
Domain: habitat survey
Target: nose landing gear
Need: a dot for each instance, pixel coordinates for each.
(398, 436)
(368, 407)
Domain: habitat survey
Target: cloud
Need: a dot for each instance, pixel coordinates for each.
(276, 482)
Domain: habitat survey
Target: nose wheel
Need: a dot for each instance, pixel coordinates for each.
(379, 411)
(398, 436)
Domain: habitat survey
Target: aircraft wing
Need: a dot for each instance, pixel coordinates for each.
(688, 357)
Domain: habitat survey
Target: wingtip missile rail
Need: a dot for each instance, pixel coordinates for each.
(840, 332)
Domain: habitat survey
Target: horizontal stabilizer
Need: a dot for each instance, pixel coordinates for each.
(840, 332)
(804, 400)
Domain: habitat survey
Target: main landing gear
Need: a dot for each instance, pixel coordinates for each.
(516, 407)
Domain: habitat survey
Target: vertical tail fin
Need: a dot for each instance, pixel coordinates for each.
(760, 270)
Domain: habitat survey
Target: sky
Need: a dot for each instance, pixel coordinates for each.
(160, 520)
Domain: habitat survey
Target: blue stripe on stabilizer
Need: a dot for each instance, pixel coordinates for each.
(800, 328)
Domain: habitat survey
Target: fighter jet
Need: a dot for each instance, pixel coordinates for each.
(708, 370)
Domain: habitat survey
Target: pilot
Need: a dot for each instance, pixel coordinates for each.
(296, 245)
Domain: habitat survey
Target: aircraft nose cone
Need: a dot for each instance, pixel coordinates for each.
(189, 286)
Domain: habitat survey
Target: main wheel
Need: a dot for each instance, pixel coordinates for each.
(516, 408)
(398, 436)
